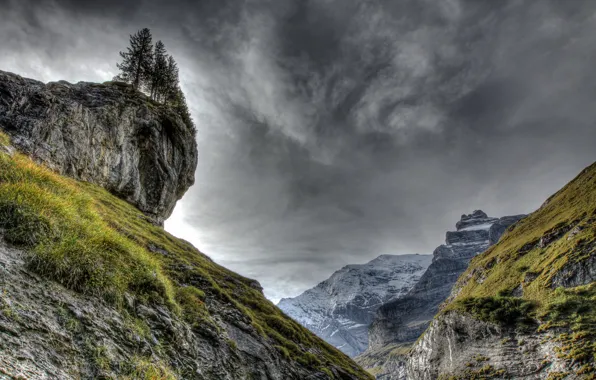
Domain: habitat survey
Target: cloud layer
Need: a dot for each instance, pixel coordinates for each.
(332, 131)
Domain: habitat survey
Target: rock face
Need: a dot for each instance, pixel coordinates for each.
(456, 343)
(340, 309)
(106, 134)
(49, 332)
(402, 321)
(524, 309)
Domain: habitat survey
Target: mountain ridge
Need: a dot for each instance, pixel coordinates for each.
(340, 308)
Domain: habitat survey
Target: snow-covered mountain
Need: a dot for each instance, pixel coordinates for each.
(341, 308)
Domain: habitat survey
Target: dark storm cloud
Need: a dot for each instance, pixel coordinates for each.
(332, 131)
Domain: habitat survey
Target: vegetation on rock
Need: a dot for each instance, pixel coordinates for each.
(81, 236)
(149, 68)
(518, 281)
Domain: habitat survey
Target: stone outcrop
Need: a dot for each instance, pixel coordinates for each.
(402, 321)
(524, 309)
(457, 343)
(341, 308)
(106, 134)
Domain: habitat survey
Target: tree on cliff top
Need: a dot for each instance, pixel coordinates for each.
(137, 61)
(151, 70)
(159, 71)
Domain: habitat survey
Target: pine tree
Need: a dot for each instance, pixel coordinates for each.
(137, 61)
(172, 81)
(151, 69)
(159, 73)
(179, 104)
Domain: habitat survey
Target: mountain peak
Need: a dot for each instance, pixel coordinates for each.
(340, 308)
(477, 220)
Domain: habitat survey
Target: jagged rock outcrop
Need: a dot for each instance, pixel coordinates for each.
(466, 347)
(403, 320)
(341, 308)
(106, 134)
(524, 309)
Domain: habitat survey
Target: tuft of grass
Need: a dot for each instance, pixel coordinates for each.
(507, 311)
(4, 139)
(92, 242)
(139, 368)
(192, 302)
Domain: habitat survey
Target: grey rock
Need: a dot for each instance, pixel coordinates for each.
(457, 345)
(576, 273)
(500, 226)
(403, 320)
(106, 134)
(388, 362)
(340, 309)
(49, 332)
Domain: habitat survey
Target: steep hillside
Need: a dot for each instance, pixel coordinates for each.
(524, 309)
(92, 288)
(399, 323)
(341, 308)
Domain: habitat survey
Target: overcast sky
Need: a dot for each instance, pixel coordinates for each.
(332, 131)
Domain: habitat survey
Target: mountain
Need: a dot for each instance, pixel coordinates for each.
(397, 324)
(525, 308)
(92, 287)
(341, 308)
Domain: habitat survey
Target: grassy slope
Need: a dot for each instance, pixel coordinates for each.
(83, 237)
(567, 225)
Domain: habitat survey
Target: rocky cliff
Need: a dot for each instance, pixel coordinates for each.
(106, 134)
(524, 309)
(403, 320)
(89, 287)
(341, 308)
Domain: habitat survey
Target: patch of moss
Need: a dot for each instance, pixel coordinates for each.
(506, 311)
(574, 310)
(192, 302)
(557, 375)
(139, 368)
(4, 139)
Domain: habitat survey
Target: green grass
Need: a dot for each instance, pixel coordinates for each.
(528, 257)
(507, 311)
(140, 368)
(92, 242)
(4, 139)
